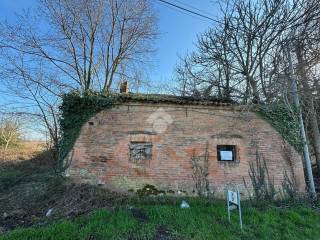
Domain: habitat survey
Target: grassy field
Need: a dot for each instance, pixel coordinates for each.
(203, 220)
(29, 187)
(24, 151)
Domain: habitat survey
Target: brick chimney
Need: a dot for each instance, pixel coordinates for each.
(124, 87)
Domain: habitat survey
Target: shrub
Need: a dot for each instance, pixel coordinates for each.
(200, 165)
(262, 184)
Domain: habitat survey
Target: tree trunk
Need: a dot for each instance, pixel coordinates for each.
(296, 101)
(309, 102)
(6, 146)
(254, 87)
(315, 133)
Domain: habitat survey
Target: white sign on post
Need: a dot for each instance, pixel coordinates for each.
(233, 197)
(233, 202)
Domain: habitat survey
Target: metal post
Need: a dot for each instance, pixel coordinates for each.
(229, 219)
(239, 207)
(302, 130)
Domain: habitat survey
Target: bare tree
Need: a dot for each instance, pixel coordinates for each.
(90, 44)
(240, 57)
(36, 93)
(10, 132)
(65, 45)
(307, 47)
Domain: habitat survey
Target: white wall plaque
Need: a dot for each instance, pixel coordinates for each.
(226, 155)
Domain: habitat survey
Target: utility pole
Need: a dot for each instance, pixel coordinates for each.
(296, 102)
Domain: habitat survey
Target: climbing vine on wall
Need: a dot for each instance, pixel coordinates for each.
(76, 109)
(284, 121)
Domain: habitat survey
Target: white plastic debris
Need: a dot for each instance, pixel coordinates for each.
(49, 212)
(184, 204)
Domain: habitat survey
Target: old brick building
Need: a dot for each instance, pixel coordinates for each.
(150, 140)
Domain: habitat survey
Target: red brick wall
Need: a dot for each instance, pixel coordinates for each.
(101, 154)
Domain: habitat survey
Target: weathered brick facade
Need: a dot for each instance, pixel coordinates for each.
(101, 154)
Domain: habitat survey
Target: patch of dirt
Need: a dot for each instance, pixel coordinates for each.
(139, 215)
(162, 233)
(27, 204)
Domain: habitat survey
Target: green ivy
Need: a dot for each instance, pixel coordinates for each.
(284, 121)
(76, 109)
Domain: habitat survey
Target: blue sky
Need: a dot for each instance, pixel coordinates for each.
(177, 30)
(177, 34)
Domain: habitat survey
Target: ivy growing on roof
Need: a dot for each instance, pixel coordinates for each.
(76, 109)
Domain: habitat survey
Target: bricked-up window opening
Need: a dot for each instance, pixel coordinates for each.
(140, 152)
(227, 152)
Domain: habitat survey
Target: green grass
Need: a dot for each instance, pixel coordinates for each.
(204, 220)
